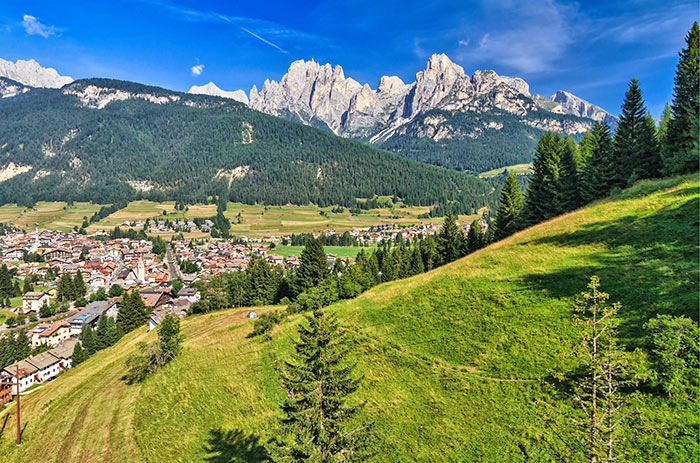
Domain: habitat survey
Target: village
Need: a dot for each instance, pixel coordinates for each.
(105, 263)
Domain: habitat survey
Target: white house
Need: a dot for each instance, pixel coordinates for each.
(32, 301)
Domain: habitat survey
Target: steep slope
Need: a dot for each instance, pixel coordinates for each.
(454, 360)
(393, 115)
(104, 140)
(9, 87)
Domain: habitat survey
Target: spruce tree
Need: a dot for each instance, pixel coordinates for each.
(132, 313)
(79, 286)
(416, 263)
(449, 240)
(636, 151)
(474, 237)
(6, 287)
(569, 176)
(313, 268)
(106, 333)
(596, 178)
(87, 338)
(317, 424)
(542, 195)
(681, 150)
(508, 216)
(79, 355)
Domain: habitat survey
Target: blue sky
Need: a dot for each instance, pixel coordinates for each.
(589, 48)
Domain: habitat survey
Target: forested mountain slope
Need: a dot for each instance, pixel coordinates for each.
(457, 362)
(105, 140)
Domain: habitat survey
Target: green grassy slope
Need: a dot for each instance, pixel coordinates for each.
(452, 359)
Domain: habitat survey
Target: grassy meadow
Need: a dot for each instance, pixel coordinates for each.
(518, 169)
(456, 361)
(341, 251)
(255, 220)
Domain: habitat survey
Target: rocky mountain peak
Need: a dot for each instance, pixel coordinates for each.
(213, 90)
(391, 84)
(29, 72)
(571, 104)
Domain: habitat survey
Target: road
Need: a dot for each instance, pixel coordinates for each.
(173, 268)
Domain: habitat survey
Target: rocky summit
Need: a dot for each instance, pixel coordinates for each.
(31, 74)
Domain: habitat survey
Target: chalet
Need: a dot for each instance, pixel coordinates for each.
(57, 254)
(5, 389)
(27, 375)
(32, 301)
(13, 254)
(155, 299)
(177, 308)
(191, 294)
(50, 334)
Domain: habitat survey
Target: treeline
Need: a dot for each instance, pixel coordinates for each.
(567, 175)
(184, 152)
(106, 211)
(345, 239)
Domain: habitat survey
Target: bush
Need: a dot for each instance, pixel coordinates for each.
(265, 323)
(153, 356)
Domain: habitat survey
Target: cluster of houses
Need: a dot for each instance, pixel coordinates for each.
(102, 262)
(169, 226)
(62, 335)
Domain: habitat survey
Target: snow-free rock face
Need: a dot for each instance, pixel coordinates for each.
(213, 90)
(30, 73)
(312, 93)
(9, 87)
(571, 104)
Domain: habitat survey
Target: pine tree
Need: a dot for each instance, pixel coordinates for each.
(569, 177)
(79, 287)
(662, 129)
(474, 237)
(318, 425)
(681, 151)
(508, 219)
(6, 287)
(449, 240)
(416, 262)
(65, 287)
(79, 355)
(542, 195)
(87, 338)
(132, 313)
(636, 151)
(596, 178)
(313, 266)
(22, 347)
(106, 334)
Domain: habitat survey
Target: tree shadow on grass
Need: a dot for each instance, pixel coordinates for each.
(648, 263)
(234, 446)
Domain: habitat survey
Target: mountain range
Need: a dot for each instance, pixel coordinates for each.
(491, 120)
(104, 140)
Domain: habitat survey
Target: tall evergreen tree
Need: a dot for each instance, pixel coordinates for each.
(6, 287)
(449, 240)
(636, 152)
(569, 176)
(79, 286)
(318, 425)
(596, 178)
(474, 237)
(79, 355)
(681, 151)
(65, 287)
(87, 338)
(542, 195)
(106, 334)
(313, 266)
(132, 312)
(508, 215)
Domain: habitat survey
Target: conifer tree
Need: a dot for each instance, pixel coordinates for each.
(416, 261)
(87, 338)
(662, 129)
(313, 266)
(681, 151)
(132, 313)
(65, 287)
(542, 195)
(569, 176)
(106, 334)
(474, 236)
(636, 151)
(596, 178)
(508, 216)
(79, 355)
(6, 287)
(317, 424)
(79, 287)
(449, 240)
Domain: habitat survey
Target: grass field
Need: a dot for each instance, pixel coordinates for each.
(518, 169)
(255, 220)
(341, 251)
(49, 215)
(454, 360)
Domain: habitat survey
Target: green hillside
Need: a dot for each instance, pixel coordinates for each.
(105, 141)
(454, 359)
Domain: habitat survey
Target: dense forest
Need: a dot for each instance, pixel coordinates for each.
(503, 138)
(158, 144)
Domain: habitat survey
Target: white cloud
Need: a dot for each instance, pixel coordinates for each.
(33, 27)
(197, 70)
(463, 43)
